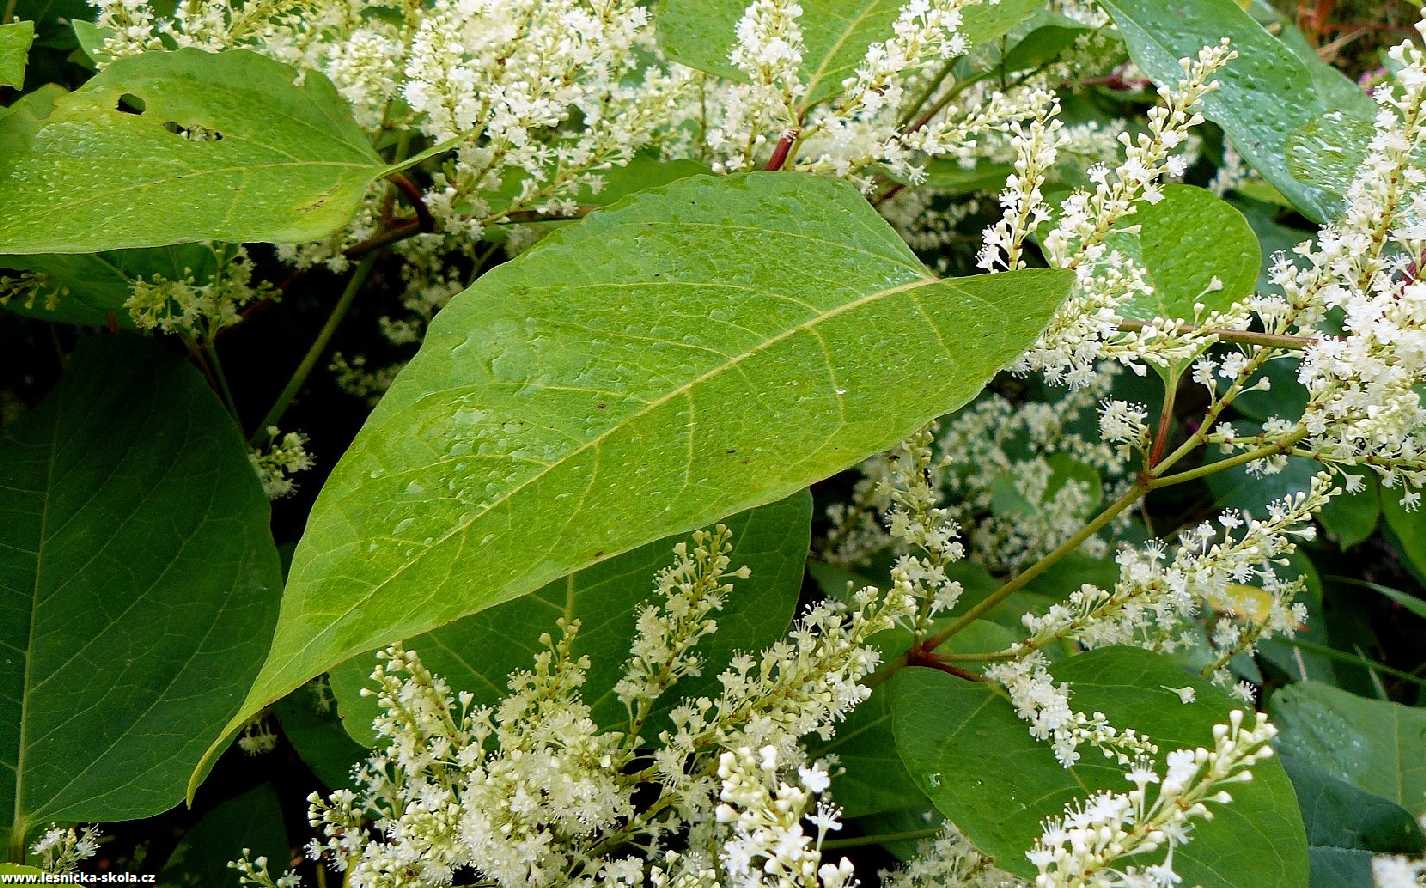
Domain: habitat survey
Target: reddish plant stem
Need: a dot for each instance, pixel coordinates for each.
(412, 193)
(399, 232)
(1161, 436)
(779, 153)
(921, 655)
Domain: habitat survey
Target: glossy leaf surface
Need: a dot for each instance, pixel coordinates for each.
(618, 383)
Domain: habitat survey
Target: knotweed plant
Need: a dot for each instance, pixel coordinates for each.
(1047, 377)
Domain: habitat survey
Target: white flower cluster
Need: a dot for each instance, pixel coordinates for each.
(257, 737)
(922, 531)
(1077, 336)
(254, 871)
(865, 124)
(948, 860)
(689, 591)
(769, 51)
(1159, 602)
(193, 309)
(60, 850)
(533, 791)
(1083, 849)
(805, 684)
(1035, 450)
(763, 816)
(1363, 409)
(1045, 705)
(26, 287)
(284, 456)
(1036, 145)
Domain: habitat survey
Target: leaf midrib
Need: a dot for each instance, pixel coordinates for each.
(461, 527)
(17, 819)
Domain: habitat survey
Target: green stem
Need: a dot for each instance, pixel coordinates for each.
(17, 841)
(9, 12)
(928, 93)
(1020, 580)
(319, 345)
(1243, 337)
(882, 838)
(212, 351)
(1215, 467)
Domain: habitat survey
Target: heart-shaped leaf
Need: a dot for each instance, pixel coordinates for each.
(139, 586)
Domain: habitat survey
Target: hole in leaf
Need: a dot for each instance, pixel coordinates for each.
(193, 133)
(130, 104)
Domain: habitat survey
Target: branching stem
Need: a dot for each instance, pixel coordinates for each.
(1243, 337)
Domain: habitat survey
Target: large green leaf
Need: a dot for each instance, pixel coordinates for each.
(479, 652)
(14, 48)
(696, 350)
(1266, 93)
(138, 582)
(836, 34)
(1184, 242)
(175, 147)
(250, 821)
(1345, 826)
(1375, 745)
(978, 763)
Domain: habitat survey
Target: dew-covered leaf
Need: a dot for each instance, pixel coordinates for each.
(1346, 826)
(1266, 93)
(139, 586)
(479, 652)
(871, 778)
(616, 384)
(1375, 745)
(963, 744)
(177, 147)
(1196, 248)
